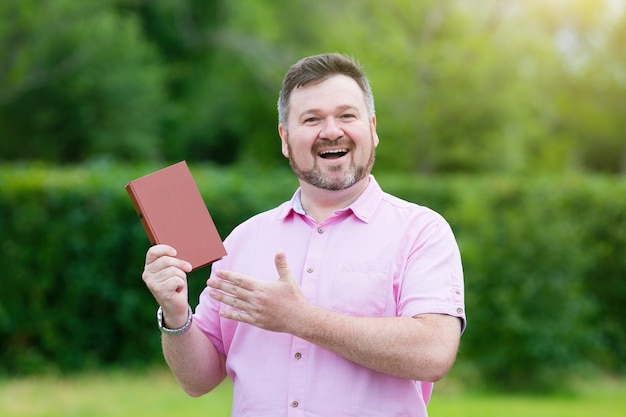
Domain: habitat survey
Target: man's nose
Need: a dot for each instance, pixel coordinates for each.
(331, 129)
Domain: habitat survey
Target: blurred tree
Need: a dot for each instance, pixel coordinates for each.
(529, 312)
(221, 80)
(492, 86)
(184, 32)
(444, 94)
(258, 42)
(581, 103)
(77, 82)
(594, 106)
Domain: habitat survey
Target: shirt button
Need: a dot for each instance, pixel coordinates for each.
(459, 310)
(320, 230)
(309, 270)
(297, 355)
(294, 404)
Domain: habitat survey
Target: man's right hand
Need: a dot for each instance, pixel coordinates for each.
(166, 278)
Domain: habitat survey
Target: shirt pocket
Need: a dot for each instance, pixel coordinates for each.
(362, 288)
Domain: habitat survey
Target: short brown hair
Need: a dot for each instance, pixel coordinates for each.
(317, 68)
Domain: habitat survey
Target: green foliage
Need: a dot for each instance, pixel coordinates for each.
(543, 261)
(493, 87)
(538, 275)
(71, 300)
(528, 286)
(73, 296)
(78, 81)
(605, 280)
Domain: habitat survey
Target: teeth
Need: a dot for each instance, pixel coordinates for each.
(336, 151)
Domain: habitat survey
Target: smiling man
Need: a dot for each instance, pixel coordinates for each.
(343, 301)
(319, 136)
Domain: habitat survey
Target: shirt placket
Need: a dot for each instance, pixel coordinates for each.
(299, 360)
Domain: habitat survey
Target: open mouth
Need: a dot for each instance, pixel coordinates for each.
(333, 153)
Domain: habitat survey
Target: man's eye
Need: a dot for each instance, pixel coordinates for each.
(348, 116)
(311, 120)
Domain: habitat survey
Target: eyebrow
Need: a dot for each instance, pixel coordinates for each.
(341, 108)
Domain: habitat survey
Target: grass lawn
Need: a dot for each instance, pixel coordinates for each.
(599, 398)
(141, 394)
(155, 394)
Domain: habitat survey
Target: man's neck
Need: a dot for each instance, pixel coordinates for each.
(319, 204)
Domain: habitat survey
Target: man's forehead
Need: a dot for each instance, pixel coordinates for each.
(338, 90)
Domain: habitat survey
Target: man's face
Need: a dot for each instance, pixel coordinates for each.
(330, 138)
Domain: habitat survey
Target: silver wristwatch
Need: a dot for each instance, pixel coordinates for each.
(180, 330)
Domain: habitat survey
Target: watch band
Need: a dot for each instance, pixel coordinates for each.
(180, 330)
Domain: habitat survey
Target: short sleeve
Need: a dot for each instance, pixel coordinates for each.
(433, 280)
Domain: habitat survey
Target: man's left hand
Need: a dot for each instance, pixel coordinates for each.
(271, 305)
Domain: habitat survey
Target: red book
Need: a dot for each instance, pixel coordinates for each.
(173, 212)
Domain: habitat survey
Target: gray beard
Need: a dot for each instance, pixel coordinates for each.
(317, 178)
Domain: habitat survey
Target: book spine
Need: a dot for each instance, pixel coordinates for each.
(148, 229)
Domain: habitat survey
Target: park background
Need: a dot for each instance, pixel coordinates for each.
(508, 117)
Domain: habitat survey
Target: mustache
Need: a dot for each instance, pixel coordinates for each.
(341, 142)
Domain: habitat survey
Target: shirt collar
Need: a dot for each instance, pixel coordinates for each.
(363, 207)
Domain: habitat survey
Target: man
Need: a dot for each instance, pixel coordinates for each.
(344, 301)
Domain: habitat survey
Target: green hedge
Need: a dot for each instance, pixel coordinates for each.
(544, 263)
(545, 270)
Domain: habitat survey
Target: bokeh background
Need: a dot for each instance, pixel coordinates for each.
(507, 116)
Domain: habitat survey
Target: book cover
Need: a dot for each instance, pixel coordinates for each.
(172, 212)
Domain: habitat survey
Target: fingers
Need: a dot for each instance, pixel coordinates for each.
(282, 267)
(236, 291)
(231, 295)
(280, 260)
(266, 303)
(236, 315)
(226, 298)
(229, 283)
(157, 252)
(242, 286)
(166, 277)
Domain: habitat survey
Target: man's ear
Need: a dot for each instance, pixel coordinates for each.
(374, 133)
(282, 132)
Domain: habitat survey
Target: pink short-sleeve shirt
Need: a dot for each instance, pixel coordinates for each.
(380, 257)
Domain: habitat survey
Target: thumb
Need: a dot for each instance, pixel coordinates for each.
(280, 260)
